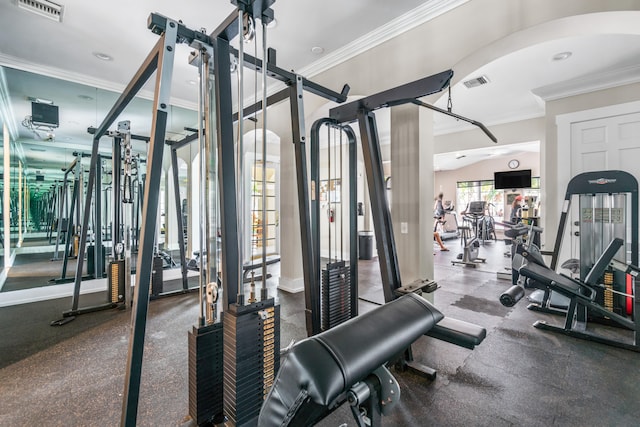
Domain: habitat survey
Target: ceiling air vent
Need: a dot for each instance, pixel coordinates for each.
(478, 81)
(44, 8)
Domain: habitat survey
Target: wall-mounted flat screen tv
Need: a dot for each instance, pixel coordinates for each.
(44, 114)
(512, 179)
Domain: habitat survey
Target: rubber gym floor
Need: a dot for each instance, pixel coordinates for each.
(519, 376)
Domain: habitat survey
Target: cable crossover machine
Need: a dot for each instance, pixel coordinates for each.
(250, 326)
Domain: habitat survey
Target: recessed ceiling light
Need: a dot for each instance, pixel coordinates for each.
(85, 97)
(102, 56)
(192, 82)
(561, 56)
(317, 50)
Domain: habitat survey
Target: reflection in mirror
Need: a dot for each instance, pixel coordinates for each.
(4, 140)
(45, 208)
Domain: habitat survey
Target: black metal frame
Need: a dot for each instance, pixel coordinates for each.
(362, 111)
(312, 288)
(176, 188)
(63, 200)
(422, 87)
(75, 169)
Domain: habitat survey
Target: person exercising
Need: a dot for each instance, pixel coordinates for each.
(438, 214)
(516, 210)
(438, 239)
(438, 211)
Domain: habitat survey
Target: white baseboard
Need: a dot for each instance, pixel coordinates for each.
(291, 285)
(44, 293)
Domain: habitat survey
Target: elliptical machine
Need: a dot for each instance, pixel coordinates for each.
(471, 244)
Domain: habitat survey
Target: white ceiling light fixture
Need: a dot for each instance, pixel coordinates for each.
(561, 56)
(317, 50)
(85, 97)
(43, 8)
(102, 56)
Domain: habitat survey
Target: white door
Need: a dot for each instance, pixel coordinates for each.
(606, 144)
(610, 143)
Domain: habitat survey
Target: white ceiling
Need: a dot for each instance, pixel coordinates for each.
(85, 87)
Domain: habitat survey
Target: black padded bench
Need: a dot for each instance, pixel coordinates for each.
(562, 284)
(347, 363)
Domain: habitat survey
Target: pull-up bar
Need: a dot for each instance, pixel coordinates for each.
(446, 112)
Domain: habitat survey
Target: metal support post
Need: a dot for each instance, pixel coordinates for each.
(385, 240)
(165, 57)
(309, 269)
(69, 241)
(97, 225)
(226, 174)
(179, 222)
(353, 217)
(116, 171)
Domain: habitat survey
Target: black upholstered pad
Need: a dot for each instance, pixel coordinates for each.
(458, 332)
(555, 281)
(318, 370)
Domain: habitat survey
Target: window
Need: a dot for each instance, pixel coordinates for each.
(469, 191)
(257, 229)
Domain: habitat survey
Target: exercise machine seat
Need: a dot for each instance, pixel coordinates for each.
(316, 373)
(557, 282)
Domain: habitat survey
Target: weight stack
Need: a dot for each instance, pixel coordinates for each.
(206, 374)
(336, 295)
(251, 358)
(612, 281)
(156, 276)
(115, 278)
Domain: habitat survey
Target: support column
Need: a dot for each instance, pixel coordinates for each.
(291, 274)
(412, 148)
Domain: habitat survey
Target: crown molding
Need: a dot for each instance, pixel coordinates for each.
(418, 16)
(70, 76)
(589, 83)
